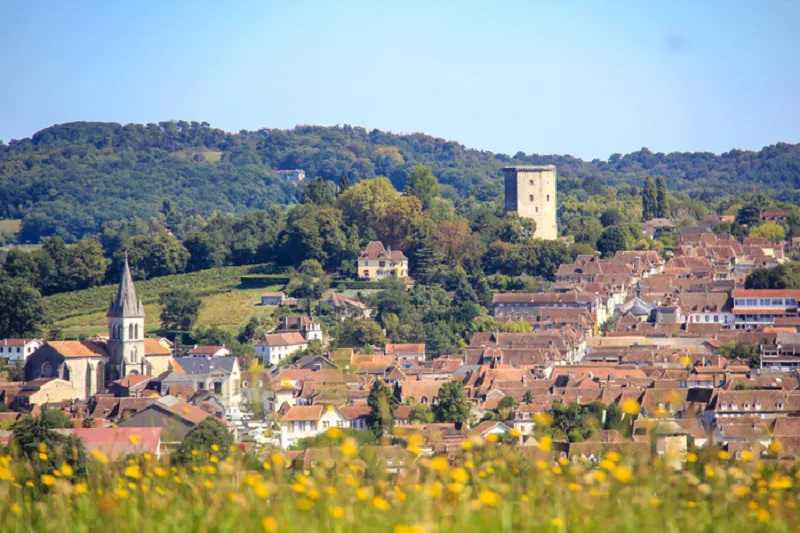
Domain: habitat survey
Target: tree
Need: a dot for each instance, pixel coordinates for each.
(783, 276)
(749, 215)
(365, 204)
(314, 232)
(155, 254)
(772, 231)
(179, 310)
(527, 398)
(423, 184)
(248, 332)
(453, 405)
(503, 410)
(611, 217)
(399, 220)
(516, 229)
(23, 310)
(87, 266)
(613, 239)
(30, 433)
(353, 332)
(662, 208)
(209, 437)
(319, 191)
(456, 242)
(420, 414)
(382, 404)
(649, 199)
(584, 229)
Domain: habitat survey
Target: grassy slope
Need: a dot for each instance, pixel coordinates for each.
(10, 225)
(82, 313)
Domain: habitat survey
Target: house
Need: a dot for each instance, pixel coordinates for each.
(304, 421)
(209, 351)
(489, 427)
(294, 175)
(41, 391)
(220, 375)
(272, 298)
(760, 307)
(132, 385)
(305, 325)
(346, 307)
(376, 263)
(174, 417)
(18, 349)
(706, 308)
(275, 347)
(407, 351)
(776, 215)
(118, 443)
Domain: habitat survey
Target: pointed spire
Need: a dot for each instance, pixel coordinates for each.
(126, 304)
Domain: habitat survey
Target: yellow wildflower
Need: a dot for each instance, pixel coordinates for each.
(488, 498)
(133, 472)
(334, 433)
(439, 463)
(543, 419)
(623, 474)
(350, 447)
(723, 455)
(304, 504)
(556, 522)
(459, 474)
(48, 480)
(269, 524)
(380, 503)
(630, 406)
(775, 446)
(545, 443)
(337, 512)
(134, 439)
(691, 457)
(67, 470)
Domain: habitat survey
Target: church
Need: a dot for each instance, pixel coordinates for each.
(91, 365)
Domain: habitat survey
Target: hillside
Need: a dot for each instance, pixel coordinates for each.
(70, 179)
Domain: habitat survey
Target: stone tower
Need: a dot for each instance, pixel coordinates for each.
(531, 192)
(125, 330)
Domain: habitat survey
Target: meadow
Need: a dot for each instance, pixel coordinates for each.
(225, 303)
(488, 487)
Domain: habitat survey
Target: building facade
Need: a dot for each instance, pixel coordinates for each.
(531, 192)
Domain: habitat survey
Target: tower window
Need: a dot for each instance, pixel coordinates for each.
(136, 328)
(537, 209)
(530, 182)
(130, 331)
(530, 197)
(548, 197)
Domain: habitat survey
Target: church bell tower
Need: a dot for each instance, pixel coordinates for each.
(126, 330)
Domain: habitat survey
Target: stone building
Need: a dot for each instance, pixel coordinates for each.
(531, 192)
(91, 365)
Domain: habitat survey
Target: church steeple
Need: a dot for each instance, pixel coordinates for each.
(126, 304)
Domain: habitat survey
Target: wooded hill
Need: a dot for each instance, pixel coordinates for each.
(69, 179)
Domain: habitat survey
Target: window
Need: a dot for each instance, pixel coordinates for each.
(530, 182)
(530, 197)
(218, 387)
(779, 405)
(548, 197)
(326, 425)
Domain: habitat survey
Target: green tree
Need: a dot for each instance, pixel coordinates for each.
(527, 398)
(248, 333)
(156, 254)
(319, 191)
(420, 414)
(772, 231)
(611, 217)
(179, 310)
(612, 240)
(209, 437)
(749, 215)
(453, 405)
(30, 433)
(365, 204)
(423, 184)
(23, 310)
(649, 199)
(382, 404)
(353, 332)
(662, 207)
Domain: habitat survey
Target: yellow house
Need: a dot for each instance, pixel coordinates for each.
(44, 390)
(376, 263)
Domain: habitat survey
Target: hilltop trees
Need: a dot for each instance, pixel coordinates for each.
(179, 310)
(23, 311)
(654, 198)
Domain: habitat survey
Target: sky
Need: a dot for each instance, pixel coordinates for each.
(587, 78)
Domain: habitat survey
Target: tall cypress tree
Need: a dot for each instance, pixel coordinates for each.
(649, 199)
(662, 209)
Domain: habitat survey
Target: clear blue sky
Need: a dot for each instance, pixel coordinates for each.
(585, 78)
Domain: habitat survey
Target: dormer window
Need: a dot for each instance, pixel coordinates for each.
(733, 407)
(779, 405)
(746, 406)
(758, 406)
(723, 406)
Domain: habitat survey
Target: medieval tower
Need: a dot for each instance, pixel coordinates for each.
(126, 347)
(531, 192)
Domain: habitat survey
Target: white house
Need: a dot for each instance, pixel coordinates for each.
(209, 351)
(303, 421)
(273, 348)
(407, 351)
(15, 349)
(272, 298)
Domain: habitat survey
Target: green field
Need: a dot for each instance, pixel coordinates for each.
(83, 313)
(10, 225)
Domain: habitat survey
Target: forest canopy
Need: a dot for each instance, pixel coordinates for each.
(70, 179)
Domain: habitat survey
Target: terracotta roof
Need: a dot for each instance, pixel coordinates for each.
(203, 350)
(282, 339)
(15, 342)
(117, 442)
(376, 250)
(155, 346)
(302, 412)
(183, 410)
(132, 379)
(766, 293)
(397, 349)
(83, 348)
(353, 412)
